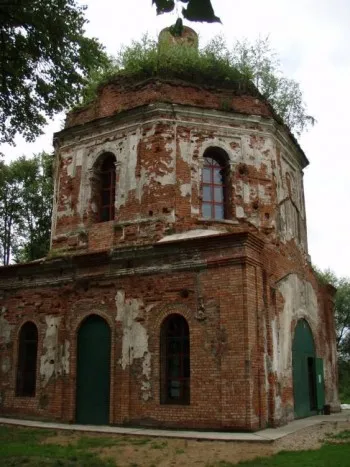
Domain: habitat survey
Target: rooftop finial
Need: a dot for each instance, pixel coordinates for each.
(178, 35)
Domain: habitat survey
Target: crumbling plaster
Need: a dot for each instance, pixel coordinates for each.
(135, 339)
(300, 301)
(5, 338)
(147, 152)
(5, 328)
(55, 357)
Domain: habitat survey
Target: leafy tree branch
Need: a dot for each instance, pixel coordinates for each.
(45, 59)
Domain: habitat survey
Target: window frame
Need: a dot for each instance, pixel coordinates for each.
(23, 373)
(216, 163)
(183, 379)
(107, 175)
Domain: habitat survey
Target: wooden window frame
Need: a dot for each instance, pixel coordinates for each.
(213, 162)
(182, 380)
(107, 186)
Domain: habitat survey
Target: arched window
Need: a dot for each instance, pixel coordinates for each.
(214, 185)
(107, 188)
(103, 182)
(27, 355)
(175, 361)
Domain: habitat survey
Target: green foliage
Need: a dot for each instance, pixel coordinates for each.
(145, 59)
(246, 67)
(328, 455)
(196, 10)
(26, 190)
(342, 435)
(45, 61)
(259, 63)
(342, 324)
(342, 307)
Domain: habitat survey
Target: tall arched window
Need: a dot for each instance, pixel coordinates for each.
(107, 188)
(27, 355)
(214, 185)
(175, 361)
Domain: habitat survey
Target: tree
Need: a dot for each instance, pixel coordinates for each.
(196, 10)
(26, 208)
(45, 61)
(342, 324)
(342, 306)
(9, 212)
(259, 63)
(238, 67)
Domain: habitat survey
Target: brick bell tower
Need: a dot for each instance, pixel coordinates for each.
(179, 282)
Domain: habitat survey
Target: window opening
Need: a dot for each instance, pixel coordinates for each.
(312, 382)
(214, 189)
(27, 356)
(107, 177)
(175, 361)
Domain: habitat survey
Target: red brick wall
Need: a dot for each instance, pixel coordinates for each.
(121, 96)
(231, 386)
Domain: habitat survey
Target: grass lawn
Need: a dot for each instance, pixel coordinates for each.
(25, 447)
(337, 455)
(334, 453)
(28, 447)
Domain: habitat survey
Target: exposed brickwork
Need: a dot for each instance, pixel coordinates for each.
(123, 95)
(241, 283)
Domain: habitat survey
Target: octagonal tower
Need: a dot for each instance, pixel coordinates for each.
(160, 134)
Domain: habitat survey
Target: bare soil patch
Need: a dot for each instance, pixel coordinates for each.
(129, 451)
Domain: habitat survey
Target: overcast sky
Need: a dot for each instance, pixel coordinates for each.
(312, 40)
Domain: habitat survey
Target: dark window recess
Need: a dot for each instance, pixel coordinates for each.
(175, 361)
(107, 195)
(214, 190)
(312, 382)
(27, 356)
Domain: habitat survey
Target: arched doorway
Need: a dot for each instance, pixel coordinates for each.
(93, 371)
(304, 371)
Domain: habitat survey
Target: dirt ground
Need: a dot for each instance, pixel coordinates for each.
(129, 451)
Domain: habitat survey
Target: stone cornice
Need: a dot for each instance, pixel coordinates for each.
(193, 254)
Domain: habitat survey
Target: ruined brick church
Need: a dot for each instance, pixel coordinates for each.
(178, 291)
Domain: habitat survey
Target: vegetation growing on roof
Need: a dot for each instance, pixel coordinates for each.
(243, 68)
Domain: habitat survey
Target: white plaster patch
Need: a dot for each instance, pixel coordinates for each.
(5, 330)
(239, 212)
(167, 177)
(79, 157)
(300, 301)
(195, 233)
(64, 355)
(71, 167)
(135, 339)
(128, 161)
(185, 189)
(185, 152)
(263, 196)
(55, 358)
(5, 365)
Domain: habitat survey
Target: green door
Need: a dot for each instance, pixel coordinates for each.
(93, 371)
(304, 371)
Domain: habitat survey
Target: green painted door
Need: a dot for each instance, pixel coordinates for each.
(93, 371)
(304, 371)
